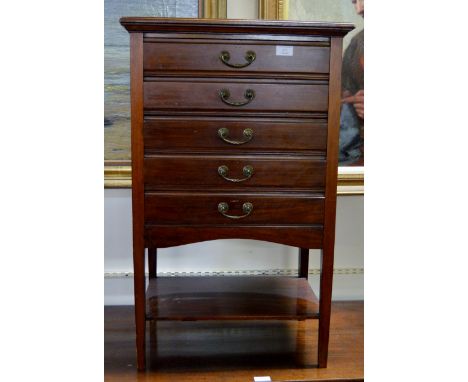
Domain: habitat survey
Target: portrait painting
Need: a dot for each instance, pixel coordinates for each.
(351, 151)
(117, 78)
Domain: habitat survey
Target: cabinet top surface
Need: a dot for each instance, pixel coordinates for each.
(157, 24)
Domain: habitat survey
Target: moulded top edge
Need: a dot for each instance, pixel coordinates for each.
(146, 24)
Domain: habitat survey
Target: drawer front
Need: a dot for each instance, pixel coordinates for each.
(162, 134)
(228, 208)
(185, 171)
(273, 57)
(192, 95)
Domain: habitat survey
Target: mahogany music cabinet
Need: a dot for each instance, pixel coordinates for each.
(235, 128)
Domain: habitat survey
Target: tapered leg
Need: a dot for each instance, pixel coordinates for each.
(326, 281)
(152, 262)
(304, 262)
(139, 291)
(138, 191)
(153, 345)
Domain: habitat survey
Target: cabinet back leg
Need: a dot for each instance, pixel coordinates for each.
(139, 286)
(152, 262)
(303, 262)
(326, 281)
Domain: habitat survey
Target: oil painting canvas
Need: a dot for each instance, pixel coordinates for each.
(352, 96)
(117, 65)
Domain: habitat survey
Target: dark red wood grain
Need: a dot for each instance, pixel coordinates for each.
(327, 259)
(136, 89)
(171, 94)
(203, 55)
(230, 297)
(303, 262)
(169, 134)
(182, 208)
(163, 236)
(152, 262)
(281, 27)
(177, 111)
(189, 171)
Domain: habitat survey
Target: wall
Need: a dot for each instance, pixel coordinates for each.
(245, 256)
(327, 10)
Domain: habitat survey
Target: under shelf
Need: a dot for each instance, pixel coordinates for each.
(230, 298)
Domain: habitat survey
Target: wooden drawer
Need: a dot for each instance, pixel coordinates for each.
(163, 133)
(198, 95)
(189, 171)
(272, 57)
(215, 208)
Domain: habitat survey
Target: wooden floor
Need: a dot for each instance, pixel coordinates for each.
(236, 350)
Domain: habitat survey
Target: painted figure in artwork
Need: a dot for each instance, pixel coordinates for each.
(352, 110)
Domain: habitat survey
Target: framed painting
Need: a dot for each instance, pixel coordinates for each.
(351, 154)
(117, 165)
(117, 168)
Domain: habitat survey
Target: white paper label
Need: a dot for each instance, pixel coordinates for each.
(262, 379)
(282, 50)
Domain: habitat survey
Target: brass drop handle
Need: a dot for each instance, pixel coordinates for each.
(224, 134)
(247, 208)
(247, 171)
(249, 57)
(249, 95)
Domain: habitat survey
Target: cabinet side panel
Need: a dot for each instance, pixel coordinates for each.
(334, 106)
(326, 275)
(136, 92)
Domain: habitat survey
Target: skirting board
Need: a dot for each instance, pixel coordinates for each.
(348, 283)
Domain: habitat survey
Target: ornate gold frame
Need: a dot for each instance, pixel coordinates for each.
(273, 9)
(118, 174)
(212, 9)
(350, 179)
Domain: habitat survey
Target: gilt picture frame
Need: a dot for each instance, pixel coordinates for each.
(350, 178)
(117, 173)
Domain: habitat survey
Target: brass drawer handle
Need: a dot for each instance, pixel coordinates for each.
(224, 171)
(247, 208)
(224, 134)
(225, 94)
(249, 57)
